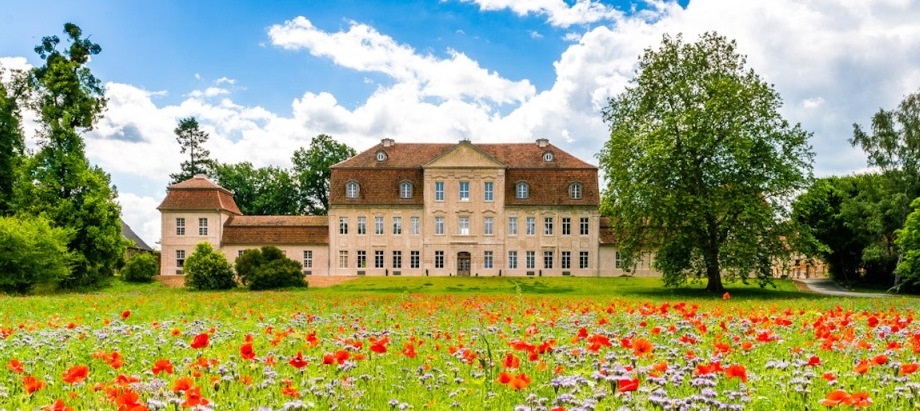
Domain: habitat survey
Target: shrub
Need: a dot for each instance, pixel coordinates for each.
(268, 268)
(32, 252)
(141, 268)
(207, 269)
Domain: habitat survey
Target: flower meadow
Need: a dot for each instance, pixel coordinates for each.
(154, 349)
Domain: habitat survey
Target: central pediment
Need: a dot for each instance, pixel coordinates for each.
(464, 155)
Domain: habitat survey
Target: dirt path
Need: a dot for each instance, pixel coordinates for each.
(825, 286)
(176, 281)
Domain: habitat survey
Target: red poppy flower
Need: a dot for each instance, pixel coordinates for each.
(835, 398)
(125, 314)
(32, 384)
(183, 384)
(862, 367)
(58, 405)
(814, 361)
(288, 390)
(641, 347)
(859, 399)
(726, 296)
(409, 350)
(627, 384)
(15, 366)
(298, 361)
(511, 361)
(200, 341)
(247, 352)
(379, 346)
(123, 379)
(76, 374)
(162, 365)
(909, 368)
(829, 376)
(880, 359)
(128, 401)
(736, 371)
(193, 398)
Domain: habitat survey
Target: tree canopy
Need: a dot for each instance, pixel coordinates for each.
(311, 170)
(700, 166)
(259, 191)
(191, 140)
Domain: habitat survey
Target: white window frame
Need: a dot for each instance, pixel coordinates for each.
(352, 189)
(488, 224)
(548, 259)
(202, 226)
(414, 257)
(343, 258)
(414, 225)
(180, 225)
(439, 225)
(438, 191)
(583, 259)
(343, 225)
(487, 259)
(180, 258)
(397, 259)
(307, 258)
(512, 225)
(463, 225)
(488, 191)
(565, 260)
(522, 191)
(361, 259)
(583, 225)
(531, 225)
(547, 226)
(566, 226)
(512, 260)
(464, 191)
(378, 259)
(397, 225)
(531, 257)
(575, 191)
(362, 225)
(378, 225)
(405, 190)
(439, 259)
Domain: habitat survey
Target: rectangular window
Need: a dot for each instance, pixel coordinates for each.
(616, 260)
(583, 226)
(413, 259)
(531, 260)
(343, 259)
(512, 259)
(378, 258)
(180, 258)
(180, 226)
(464, 191)
(512, 225)
(488, 189)
(438, 191)
(531, 225)
(414, 226)
(307, 258)
(547, 259)
(487, 224)
(566, 260)
(202, 226)
(397, 225)
(438, 259)
(547, 226)
(487, 259)
(378, 225)
(439, 225)
(343, 225)
(240, 253)
(362, 259)
(397, 259)
(566, 226)
(582, 259)
(362, 225)
(464, 225)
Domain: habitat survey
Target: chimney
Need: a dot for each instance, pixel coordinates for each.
(542, 142)
(387, 142)
(200, 176)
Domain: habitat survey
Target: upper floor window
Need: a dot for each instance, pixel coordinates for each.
(378, 225)
(414, 225)
(487, 224)
(362, 225)
(531, 225)
(180, 226)
(583, 226)
(464, 225)
(405, 189)
(381, 155)
(439, 225)
(488, 191)
(464, 191)
(512, 225)
(438, 191)
(522, 190)
(397, 225)
(575, 191)
(202, 226)
(351, 189)
(547, 225)
(343, 225)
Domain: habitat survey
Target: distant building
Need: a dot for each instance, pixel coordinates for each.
(137, 244)
(419, 209)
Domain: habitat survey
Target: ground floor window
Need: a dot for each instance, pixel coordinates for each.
(487, 260)
(531, 259)
(438, 259)
(307, 259)
(343, 259)
(547, 259)
(397, 259)
(582, 259)
(512, 259)
(180, 258)
(616, 260)
(378, 258)
(566, 260)
(413, 259)
(362, 259)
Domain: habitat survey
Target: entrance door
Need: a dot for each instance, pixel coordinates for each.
(463, 264)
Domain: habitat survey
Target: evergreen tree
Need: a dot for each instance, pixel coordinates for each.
(191, 140)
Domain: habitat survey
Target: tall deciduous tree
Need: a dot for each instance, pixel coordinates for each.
(11, 148)
(191, 140)
(61, 184)
(700, 166)
(258, 191)
(311, 170)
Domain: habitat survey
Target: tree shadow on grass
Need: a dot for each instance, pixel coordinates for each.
(538, 287)
(762, 294)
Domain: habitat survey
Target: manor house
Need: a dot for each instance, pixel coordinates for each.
(419, 209)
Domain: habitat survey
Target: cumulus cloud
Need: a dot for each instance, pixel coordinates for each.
(557, 12)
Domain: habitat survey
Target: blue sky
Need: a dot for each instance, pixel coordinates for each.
(264, 77)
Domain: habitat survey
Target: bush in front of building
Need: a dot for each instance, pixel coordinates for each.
(32, 252)
(207, 269)
(268, 268)
(141, 268)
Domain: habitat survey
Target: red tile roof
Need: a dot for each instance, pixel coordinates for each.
(198, 193)
(606, 236)
(276, 230)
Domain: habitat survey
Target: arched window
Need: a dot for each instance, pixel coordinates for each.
(405, 189)
(351, 189)
(522, 190)
(575, 191)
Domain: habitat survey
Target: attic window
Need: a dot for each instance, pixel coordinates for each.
(381, 155)
(522, 190)
(351, 189)
(548, 156)
(405, 189)
(575, 191)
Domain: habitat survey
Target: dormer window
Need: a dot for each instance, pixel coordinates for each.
(548, 156)
(575, 191)
(405, 189)
(522, 191)
(381, 155)
(352, 189)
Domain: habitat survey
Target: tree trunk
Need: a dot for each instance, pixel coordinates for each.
(713, 272)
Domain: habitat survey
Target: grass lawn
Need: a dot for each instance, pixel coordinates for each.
(436, 343)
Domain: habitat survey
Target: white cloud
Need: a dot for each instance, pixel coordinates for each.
(558, 13)
(225, 80)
